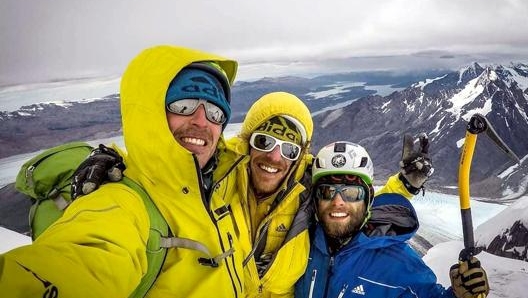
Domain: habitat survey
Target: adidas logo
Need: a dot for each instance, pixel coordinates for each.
(281, 228)
(358, 290)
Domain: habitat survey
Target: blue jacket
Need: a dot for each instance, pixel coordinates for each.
(377, 262)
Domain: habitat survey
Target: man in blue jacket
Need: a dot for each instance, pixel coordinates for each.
(359, 245)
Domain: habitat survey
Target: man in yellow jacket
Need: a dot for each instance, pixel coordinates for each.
(275, 137)
(174, 105)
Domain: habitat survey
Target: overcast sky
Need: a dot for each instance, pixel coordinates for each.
(58, 39)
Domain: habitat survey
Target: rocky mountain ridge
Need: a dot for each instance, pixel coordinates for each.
(441, 108)
(439, 104)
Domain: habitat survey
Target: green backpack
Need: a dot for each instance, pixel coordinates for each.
(46, 180)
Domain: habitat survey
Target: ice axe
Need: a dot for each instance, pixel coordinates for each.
(476, 125)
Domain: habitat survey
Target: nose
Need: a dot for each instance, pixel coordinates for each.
(199, 117)
(338, 200)
(275, 154)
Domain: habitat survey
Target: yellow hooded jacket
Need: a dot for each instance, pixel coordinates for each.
(97, 249)
(283, 233)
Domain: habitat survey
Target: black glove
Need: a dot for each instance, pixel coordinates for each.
(104, 164)
(415, 166)
(468, 279)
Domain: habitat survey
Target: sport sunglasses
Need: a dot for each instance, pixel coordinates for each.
(267, 143)
(188, 106)
(349, 193)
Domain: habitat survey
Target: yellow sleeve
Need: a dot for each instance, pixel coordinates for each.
(395, 185)
(97, 249)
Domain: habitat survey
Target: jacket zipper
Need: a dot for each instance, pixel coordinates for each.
(312, 283)
(233, 259)
(266, 224)
(329, 272)
(260, 237)
(343, 290)
(211, 216)
(233, 165)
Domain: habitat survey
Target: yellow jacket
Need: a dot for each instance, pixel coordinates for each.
(395, 185)
(283, 234)
(97, 249)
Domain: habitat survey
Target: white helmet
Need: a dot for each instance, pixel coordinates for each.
(343, 158)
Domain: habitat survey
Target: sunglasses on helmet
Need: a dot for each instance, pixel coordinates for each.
(349, 193)
(188, 106)
(267, 143)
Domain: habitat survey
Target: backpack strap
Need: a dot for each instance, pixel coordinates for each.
(56, 196)
(159, 229)
(195, 245)
(160, 240)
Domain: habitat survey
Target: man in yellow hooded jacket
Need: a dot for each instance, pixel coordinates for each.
(275, 136)
(173, 138)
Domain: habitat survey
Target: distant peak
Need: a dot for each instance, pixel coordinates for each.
(469, 72)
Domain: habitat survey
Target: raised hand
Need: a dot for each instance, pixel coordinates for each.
(416, 165)
(104, 164)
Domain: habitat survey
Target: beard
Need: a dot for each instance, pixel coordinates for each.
(336, 229)
(340, 230)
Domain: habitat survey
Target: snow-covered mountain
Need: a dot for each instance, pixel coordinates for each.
(506, 233)
(35, 117)
(441, 107)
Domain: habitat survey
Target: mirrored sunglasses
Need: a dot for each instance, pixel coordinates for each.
(267, 143)
(349, 193)
(188, 106)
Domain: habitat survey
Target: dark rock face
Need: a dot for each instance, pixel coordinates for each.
(513, 243)
(40, 126)
(14, 208)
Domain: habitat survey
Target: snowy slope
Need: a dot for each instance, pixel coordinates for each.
(12, 98)
(507, 277)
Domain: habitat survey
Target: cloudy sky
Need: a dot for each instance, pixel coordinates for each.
(50, 40)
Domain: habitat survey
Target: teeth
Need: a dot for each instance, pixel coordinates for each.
(338, 214)
(269, 169)
(194, 141)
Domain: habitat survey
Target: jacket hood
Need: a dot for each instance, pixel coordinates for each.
(154, 157)
(392, 215)
(279, 104)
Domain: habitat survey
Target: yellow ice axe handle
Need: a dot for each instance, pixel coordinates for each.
(463, 189)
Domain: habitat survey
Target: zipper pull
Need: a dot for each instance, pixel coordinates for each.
(343, 290)
(29, 176)
(312, 283)
(230, 238)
